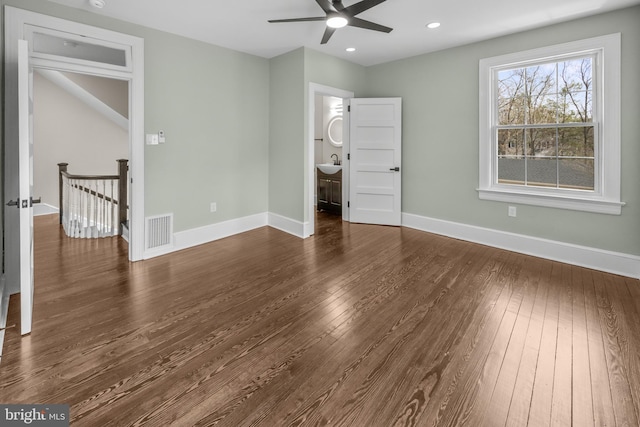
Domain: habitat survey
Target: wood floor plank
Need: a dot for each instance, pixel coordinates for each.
(601, 394)
(358, 325)
(582, 400)
(562, 386)
(542, 397)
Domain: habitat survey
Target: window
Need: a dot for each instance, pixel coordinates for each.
(550, 126)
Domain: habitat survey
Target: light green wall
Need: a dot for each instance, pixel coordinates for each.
(286, 134)
(213, 104)
(440, 136)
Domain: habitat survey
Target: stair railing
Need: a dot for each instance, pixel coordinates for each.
(93, 206)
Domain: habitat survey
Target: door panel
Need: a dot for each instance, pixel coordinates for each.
(376, 157)
(25, 161)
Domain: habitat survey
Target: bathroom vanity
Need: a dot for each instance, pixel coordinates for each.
(330, 191)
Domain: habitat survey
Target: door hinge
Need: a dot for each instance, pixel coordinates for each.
(348, 156)
(348, 204)
(349, 108)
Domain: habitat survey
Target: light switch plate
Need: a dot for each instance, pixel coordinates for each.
(152, 139)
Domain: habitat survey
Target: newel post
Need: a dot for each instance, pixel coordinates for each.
(62, 167)
(123, 199)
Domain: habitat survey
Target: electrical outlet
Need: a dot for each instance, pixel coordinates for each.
(213, 207)
(512, 211)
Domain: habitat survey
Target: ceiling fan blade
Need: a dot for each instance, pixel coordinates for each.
(317, 18)
(361, 23)
(328, 32)
(326, 5)
(360, 7)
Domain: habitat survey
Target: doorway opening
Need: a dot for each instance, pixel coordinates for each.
(327, 148)
(82, 121)
(328, 156)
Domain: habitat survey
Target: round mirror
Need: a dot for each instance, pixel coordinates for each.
(334, 131)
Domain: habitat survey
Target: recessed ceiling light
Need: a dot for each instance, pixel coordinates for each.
(337, 22)
(98, 4)
(350, 49)
(433, 25)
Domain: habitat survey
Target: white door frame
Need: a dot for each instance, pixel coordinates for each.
(318, 89)
(16, 21)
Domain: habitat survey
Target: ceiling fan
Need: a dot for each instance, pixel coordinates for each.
(338, 16)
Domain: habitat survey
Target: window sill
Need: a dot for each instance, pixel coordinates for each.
(584, 204)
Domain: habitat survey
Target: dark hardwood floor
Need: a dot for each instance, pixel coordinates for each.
(357, 326)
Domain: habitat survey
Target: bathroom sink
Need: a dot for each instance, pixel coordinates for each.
(329, 168)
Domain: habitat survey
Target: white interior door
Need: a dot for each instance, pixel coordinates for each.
(25, 161)
(375, 148)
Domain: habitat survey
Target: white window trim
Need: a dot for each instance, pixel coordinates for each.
(606, 197)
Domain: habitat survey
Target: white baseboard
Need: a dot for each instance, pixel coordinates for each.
(288, 225)
(584, 256)
(198, 236)
(44, 209)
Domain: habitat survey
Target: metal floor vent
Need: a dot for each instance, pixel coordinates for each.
(158, 231)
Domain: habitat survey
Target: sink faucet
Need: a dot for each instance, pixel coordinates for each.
(336, 161)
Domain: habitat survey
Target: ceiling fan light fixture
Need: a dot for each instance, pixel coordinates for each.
(337, 21)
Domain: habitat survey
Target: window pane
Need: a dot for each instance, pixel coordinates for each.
(575, 142)
(511, 97)
(46, 43)
(576, 107)
(540, 142)
(510, 142)
(575, 75)
(542, 171)
(576, 174)
(511, 170)
(544, 110)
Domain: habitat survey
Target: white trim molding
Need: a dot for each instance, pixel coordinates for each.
(209, 233)
(288, 225)
(583, 256)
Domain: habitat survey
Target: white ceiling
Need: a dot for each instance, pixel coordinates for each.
(242, 24)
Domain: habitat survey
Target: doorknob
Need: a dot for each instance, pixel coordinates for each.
(38, 200)
(15, 203)
(396, 169)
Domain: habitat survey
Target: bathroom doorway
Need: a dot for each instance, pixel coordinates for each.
(328, 170)
(328, 155)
